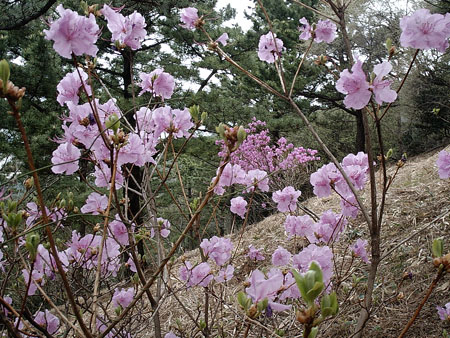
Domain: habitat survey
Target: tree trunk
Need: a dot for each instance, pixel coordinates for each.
(360, 143)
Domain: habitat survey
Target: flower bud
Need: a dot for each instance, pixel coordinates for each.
(241, 135)
(31, 243)
(221, 130)
(4, 74)
(29, 183)
(195, 111)
(113, 122)
(204, 116)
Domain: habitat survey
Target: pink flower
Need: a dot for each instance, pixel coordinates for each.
(300, 226)
(217, 248)
(132, 152)
(127, 30)
(355, 86)
(158, 82)
(305, 28)
(322, 179)
(320, 254)
(444, 312)
(73, 33)
(325, 31)
(176, 121)
(443, 164)
(164, 226)
(329, 227)
(122, 297)
(281, 256)
(359, 249)
(259, 178)
(423, 30)
(239, 206)
(200, 275)
(189, 17)
(95, 204)
(349, 206)
(286, 199)
(171, 335)
(225, 274)
(223, 39)
(119, 231)
(47, 320)
(380, 87)
(261, 288)
(131, 264)
(254, 253)
(65, 152)
(36, 278)
(69, 87)
(269, 49)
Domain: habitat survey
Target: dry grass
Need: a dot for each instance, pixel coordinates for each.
(417, 212)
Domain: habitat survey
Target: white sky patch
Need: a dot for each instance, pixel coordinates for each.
(240, 6)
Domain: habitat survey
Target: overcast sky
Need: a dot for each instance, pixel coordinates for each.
(240, 6)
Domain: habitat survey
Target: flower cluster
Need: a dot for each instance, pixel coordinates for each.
(129, 30)
(73, 33)
(286, 199)
(423, 30)
(269, 47)
(358, 91)
(328, 177)
(158, 82)
(324, 30)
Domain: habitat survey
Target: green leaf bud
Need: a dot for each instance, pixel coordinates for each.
(31, 243)
(118, 310)
(388, 44)
(313, 332)
(221, 130)
(263, 305)
(195, 111)
(4, 74)
(437, 248)
(204, 116)
(389, 153)
(243, 300)
(113, 122)
(12, 205)
(241, 135)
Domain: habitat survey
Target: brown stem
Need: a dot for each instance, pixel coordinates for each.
(403, 81)
(300, 66)
(424, 300)
(48, 231)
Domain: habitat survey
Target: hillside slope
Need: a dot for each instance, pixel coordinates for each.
(417, 212)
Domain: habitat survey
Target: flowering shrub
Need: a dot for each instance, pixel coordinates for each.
(89, 263)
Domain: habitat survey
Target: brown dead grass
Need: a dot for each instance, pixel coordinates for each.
(417, 212)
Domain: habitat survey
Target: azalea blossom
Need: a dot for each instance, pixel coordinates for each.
(47, 320)
(158, 82)
(69, 87)
(73, 33)
(95, 204)
(65, 159)
(320, 254)
(217, 248)
(269, 49)
(300, 226)
(443, 164)
(359, 249)
(286, 199)
(225, 274)
(261, 288)
(189, 17)
(223, 39)
(238, 206)
(254, 253)
(127, 30)
(325, 31)
(423, 30)
(281, 256)
(444, 312)
(380, 87)
(355, 86)
(122, 297)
